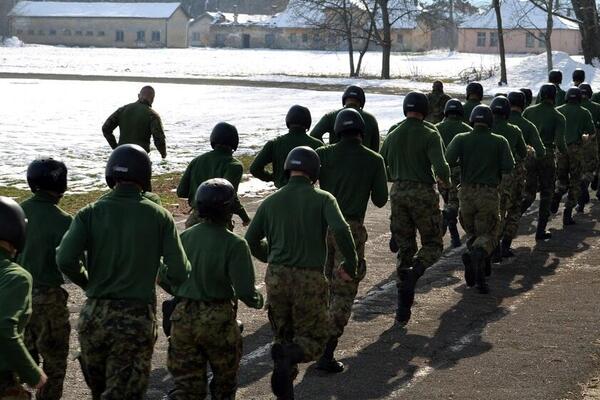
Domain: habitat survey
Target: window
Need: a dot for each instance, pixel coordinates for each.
(101, 33)
(305, 37)
(541, 42)
(156, 36)
(317, 38)
(52, 32)
(481, 39)
(292, 37)
(269, 40)
(89, 33)
(120, 36)
(19, 31)
(529, 40)
(141, 36)
(67, 32)
(196, 36)
(30, 32)
(493, 39)
(400, 38)
(78, 33)
(41, 32)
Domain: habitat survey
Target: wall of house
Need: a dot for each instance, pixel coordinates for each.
(417, 39)
(5, 7)
(177, 29)
(515, 41)
(199, 32)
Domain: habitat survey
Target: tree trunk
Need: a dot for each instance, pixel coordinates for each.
(587, 12)
(364, 50)
(386, 45)
(501, 50)
(452, 27)
(548, 36)
(351, 54)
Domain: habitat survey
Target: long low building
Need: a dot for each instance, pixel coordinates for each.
(100, 24)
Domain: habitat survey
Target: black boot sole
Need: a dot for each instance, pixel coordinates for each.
(282, 382)
(469, 270)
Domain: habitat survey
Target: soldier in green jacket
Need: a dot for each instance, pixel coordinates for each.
(137, 122)
(578, 77)
(437, 102)
(590, 148)
(451, 126)
(555, 77)
(483, 158)
(127, 238)
(205, 330)
(528, 96)
(474, 96)
(569, 167)
(218, 163)
(16, 364)
(410, 152)
(551, 127)
(352, 173)
(353, 97)
(298, 121)
(48, 331)
(294, 220)
(512, 184)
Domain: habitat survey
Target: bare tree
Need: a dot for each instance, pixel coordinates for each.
(586, 12)
(501, 49)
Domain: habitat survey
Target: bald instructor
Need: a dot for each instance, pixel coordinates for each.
(137, 122)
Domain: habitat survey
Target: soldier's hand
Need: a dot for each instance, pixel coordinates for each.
(441, 184)
(341, 272)
(42, 382)
(246, 223)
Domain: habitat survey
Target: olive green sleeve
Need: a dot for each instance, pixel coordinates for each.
(521, 148)
(255, 235)
(536, 142)
(374, 145)
(175, 262)
(454, 151)
(262, 159)
(158, 134)
(109, 126)
(13, 299)
(241, 273)
(69, 252)
(322, 127)
(343, 235)
(506, 158)
(183, 189)
(379, 189)
(384, 153)
(435, 153)
(589, 127)
(234, 175)
(559, 133)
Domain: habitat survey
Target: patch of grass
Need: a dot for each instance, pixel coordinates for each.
(71, 203)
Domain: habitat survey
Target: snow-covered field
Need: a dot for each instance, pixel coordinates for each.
(64, 119)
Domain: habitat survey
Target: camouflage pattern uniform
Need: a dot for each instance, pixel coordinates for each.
(437, 102)
(480, 215)
(11, 388)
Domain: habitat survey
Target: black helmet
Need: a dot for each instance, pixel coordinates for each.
(500, 106)
(354, 92)
(349, 121)
(548, 92)
(437, 86)
(476, 89)
(47, 174)
(224, 134)
(528, 96)
(454, 107)
(13, 223)
(304, 159)
(586, 90)
(573, 95)
(517, 99)
(578, 75)
(416, 102)
(482, 114)
(555, 76)
(500, 94)
(215, 198)
(297, 115)
(129, 162)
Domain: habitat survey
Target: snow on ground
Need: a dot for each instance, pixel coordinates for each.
(64, 119)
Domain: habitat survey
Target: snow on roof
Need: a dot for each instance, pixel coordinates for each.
(247, 19)
(297, 15)
(516, 14)
(98, 10)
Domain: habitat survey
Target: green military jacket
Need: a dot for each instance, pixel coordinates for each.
(137, 122)
(550, 125)
(353, 173)
(513, 135)
(482, 155)
(125, 236)
(275, 152)
(468, 107)
(411, 150)
(218, 163)
(46, 225)
(221, 266)
(579, 122)
(327, 122)
(450, 127)
(594, 109)
(558, 101)
(437, 103)
(596, 97)
(294, 221)
(530, 133)
(15, 310)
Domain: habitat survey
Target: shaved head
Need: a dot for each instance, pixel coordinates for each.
(147, 94)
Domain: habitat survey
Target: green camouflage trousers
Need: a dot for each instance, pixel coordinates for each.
(510, 191)
(204, 334)
(450, 196)
(195, 219)
(297, 307)
(415, 207)
(589, 158)
(479, 215)
(342, 293)
(11, 388)
(569, 169)
(540, 173)
(47, 337)
(117, 339)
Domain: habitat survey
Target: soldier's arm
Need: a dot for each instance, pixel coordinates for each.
(589, 128)
(183, 189)
(262, 159)
(158, 134)
(234, 175)
(343, 235)
(507, 159)
(69, 252)
(379, 188)
(559, 133)
(109, 126)
(385, 154)
(453, 151)
(375, 140)
(255, 235)
(521, 149)
(438, 160)
(176, 266)
(322, 127)
(536, 142)
(241, 274)
(12, 298)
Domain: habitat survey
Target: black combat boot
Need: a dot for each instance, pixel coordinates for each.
(285, 357)
(406, 291)
(478, 258)
(454, 236)
(488, 266)
(496, 256)
(394, 248)
(327, 362)
(594, 184)
(541, 233)
(555, 203)
(584, 197)
(525, 204)
(506, 250)
(568, 217)
(469, 271)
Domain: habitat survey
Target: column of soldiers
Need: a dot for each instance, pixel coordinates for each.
(487, 162)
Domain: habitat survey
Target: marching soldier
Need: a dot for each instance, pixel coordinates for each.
(555, 77)
(590, 148)
(437, 102)
(578, 76)
(528, 96)
(474, 97)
